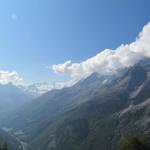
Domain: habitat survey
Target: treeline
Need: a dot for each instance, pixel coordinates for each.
(4, 147)
(134, 142)
(131, 142)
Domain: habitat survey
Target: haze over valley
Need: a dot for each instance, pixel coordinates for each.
(55, 96)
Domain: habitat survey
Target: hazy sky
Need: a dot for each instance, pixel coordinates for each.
(35, 34)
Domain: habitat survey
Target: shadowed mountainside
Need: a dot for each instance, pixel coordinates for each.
(94, 114)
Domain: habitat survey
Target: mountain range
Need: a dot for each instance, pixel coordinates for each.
(11, 98)
(94, 114)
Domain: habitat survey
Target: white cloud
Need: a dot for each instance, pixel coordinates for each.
(106, 62)
(34, 89)
(61, 68)
(10, 77)
(109, 61)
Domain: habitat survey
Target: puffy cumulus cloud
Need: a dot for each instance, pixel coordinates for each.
(61, 68)
(110, 61)
(10, 77)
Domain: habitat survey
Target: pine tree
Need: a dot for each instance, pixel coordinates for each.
(135, 142)
(5, 147)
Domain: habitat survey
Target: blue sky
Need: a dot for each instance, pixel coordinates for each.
(35, 34)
